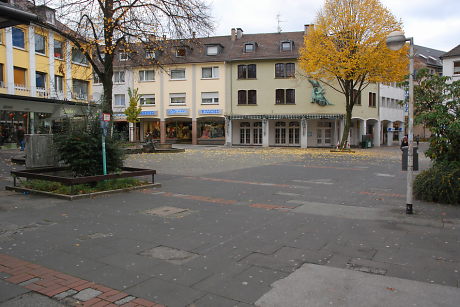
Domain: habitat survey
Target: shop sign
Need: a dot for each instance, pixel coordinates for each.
(178, 112)
(394, 129)
(210, 112)
(148, 113)
(118, 116)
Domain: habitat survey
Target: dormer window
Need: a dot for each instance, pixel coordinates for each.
(249, 47)
(287, 45)
(213, 49)
(150, 54)
(124, 56)
(180, 52)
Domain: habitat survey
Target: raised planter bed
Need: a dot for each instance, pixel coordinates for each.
(61, 175)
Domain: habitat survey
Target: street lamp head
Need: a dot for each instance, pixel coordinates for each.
(395, 40)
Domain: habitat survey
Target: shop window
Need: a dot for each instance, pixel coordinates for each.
(177, 99)
(18, 38)
(119, 100)
(58, 50)
(210, 98)
(19, 77)
(78, 57)
(211, 129)
(284, 70)
(80, 89)
(179, 130)
(146, 75)
(147, 100)
(178, 74)
(210, 72)
(119, 76)
(40, 44)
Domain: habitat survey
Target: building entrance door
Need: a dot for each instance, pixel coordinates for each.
(280, 133)
(324, 134)
(245, 133)
(294, 133)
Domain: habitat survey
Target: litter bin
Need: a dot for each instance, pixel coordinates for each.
(405, 158)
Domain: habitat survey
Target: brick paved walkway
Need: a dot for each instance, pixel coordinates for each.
(61, 286)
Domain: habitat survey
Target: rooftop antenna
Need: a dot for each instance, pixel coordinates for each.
(279, 21)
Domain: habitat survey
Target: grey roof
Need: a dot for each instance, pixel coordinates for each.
(454, 52)
(268, 46)
(429, 55)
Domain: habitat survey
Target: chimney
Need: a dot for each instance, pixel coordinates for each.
(308, 28)
(194, 34)
(239, 33)
(233, 34)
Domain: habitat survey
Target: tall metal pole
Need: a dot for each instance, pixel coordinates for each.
(410, 115)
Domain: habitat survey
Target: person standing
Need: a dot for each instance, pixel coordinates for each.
(20, 137)
(404, 142)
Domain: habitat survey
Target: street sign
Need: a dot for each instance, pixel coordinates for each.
(106, 117)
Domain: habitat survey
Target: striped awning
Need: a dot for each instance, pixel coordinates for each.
(287, 116)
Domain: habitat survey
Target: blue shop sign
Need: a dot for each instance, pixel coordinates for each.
(211, 112)
(148, 113)
(177, 112)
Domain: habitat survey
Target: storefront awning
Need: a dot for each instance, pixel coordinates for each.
(287, 116)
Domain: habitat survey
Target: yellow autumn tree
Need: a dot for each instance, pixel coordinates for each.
(346, 50)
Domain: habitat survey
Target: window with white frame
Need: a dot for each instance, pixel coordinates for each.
(119, 76)
(456, 68)
(210, 72)
(58, 84)
(124, 56)
(210, 98)
(40, 44)
(119, 100)
(212, 50)
(180, 52)
(146, 75)
(149, 54)
(78, 57)
(146, 100)
(96, 79)
(18, 38)
(178, 74)
(80, 89)
(177, 98)
(249, 47)
(286, 45)
(58, 50)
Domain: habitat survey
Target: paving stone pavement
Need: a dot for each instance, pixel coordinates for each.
(241, 219)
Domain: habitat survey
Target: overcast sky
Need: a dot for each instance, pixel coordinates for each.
(432, 23)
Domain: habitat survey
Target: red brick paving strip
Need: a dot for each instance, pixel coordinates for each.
(52, 283)
(221, 201)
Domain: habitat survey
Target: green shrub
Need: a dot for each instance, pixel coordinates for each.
(440, 183)
(80, 147)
